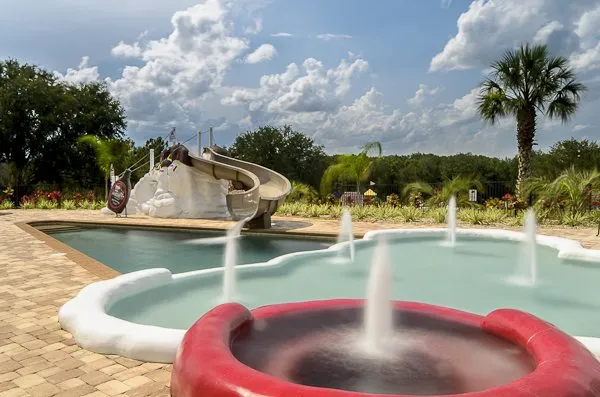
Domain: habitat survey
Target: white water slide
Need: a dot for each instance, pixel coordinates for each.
(264, 189)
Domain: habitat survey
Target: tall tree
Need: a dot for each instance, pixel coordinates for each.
(41, 119)
(351, 168)
(284, 150)
(524, 82)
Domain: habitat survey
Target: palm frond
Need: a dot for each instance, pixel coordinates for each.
(374, 146)
(417, 187)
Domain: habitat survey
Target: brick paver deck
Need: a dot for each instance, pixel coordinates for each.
(39, 359)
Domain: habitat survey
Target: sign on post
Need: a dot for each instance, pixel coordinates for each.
(472, 195)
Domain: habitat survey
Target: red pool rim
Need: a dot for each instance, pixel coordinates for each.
(205, 366)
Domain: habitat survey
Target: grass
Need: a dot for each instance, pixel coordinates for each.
(408, 214)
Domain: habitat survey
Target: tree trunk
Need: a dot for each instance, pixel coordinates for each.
(525, 136)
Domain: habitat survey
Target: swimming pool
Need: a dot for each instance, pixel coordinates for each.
(128, 250)
(145, 314)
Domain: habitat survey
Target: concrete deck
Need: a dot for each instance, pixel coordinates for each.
(37, 276)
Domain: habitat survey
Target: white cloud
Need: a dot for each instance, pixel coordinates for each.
(490, 27)
(580, 127)
(587, 60)
(263, 53)
(256, 28)
(333, 36)
(587, 27)
(421, 93)
(127, 50)
(317, 90)
(446, 3)
(83, 74)
(179, 70)
(179, 79)
(542, 35)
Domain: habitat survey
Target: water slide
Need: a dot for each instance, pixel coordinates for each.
(264, 189)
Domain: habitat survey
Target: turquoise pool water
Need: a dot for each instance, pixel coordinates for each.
(127, 249)
(473, 276)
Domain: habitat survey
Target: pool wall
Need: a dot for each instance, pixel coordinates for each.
(85, 316)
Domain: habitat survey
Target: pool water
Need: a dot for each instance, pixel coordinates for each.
(127, 249)
(474, 276)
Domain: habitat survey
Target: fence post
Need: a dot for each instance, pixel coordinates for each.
(199, 142)
(151, 159)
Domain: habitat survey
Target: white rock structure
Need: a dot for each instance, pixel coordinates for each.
(179, 191)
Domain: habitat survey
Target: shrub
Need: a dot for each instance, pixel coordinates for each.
(77, 198)
(595, 215)
(45, 204)
(410, 214)
(437, 215)
(69, 205)
(494, 203)
(53, 196)
(472, 216)
(87, 204)
(393, 200)
(569, 218)
(98, 205)
(303, 193)
(6, 205)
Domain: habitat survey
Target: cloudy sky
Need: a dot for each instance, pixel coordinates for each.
(345, 72)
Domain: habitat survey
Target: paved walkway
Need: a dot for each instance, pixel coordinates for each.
(39, 359)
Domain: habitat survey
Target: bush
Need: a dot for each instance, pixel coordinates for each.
(494, 203)
(303, 193)
(410, 214)
(437, 215)
(69, 205)
(393, 200)
(87, 204)
(475, 216)
(575, 219)
(472, 216)
(45, 204)
(6, 205)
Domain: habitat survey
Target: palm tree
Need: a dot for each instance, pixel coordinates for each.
(104, 155)
(571, 190)
(524, 82)
(351, 168)
(303, 193)
(458, 186)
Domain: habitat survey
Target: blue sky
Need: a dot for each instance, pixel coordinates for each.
(342, 71)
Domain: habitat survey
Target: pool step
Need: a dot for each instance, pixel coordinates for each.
(58, 228)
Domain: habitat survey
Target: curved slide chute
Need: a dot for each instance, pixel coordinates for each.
(264, 189)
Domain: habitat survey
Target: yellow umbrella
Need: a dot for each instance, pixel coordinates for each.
(370, 193)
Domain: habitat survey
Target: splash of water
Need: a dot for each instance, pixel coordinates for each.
(451, 234)
(231, 260)
(378, 321)
(527, 270)
(346, 234)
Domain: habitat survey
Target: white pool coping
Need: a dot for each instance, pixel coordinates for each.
(86, 318)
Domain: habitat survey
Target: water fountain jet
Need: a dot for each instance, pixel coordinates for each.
(346, 234)
(230, 260)
(378, 320)
(525, 273)
(451, 234)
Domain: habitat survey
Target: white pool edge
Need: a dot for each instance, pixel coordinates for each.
(86, 318)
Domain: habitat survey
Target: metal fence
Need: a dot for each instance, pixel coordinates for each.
(490, 189)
